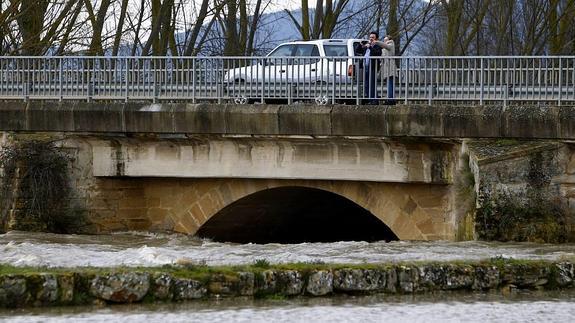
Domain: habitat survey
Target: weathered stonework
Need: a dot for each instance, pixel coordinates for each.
(406, 165)
(121, 287)
(168, 283)
(413, 210)
(508, 174)
(524, 190)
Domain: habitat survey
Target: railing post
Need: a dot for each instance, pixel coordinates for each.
(262, 99)
(406, 80)
(126, 81)
(61, 79)
(25, 80)
(357, 83)
(193, 79)
(560, 82)
(219, 90)
(430, 94)
(89, 79)
(333, 83)
(481, 85)
(506, 98)
(154, 72)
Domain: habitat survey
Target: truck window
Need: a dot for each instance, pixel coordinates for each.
(282, 51)
(306, 50)
(335, 50)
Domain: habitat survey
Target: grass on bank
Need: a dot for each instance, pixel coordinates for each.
(203, 272)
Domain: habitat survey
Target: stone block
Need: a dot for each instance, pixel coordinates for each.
(64, 120)
(525, 275)
(408, 279)
(567, 122)
(223, 285)
(391, 280)
(128, 203)
(486, 277)
(100, 117)
(531, 122)
(472, 121)
(47, 292)
(66, 288)
(359, 121)
(266, 282)
(13, 116)
(149, 118)
(319, 283)
(414, 120)
(187, 289)
(290, 282)
(565, 274)
(252, 119)
(359, 280)
(142, 224)
(126, 287)
(13, 291)
(246, 284)
(305, 120)
(458, 277)
(200, 118)
(431, 277)
(161, 287)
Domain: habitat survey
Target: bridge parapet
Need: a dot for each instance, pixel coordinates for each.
(441, 121)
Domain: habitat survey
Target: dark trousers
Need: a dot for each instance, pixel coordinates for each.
(390, 90)
(370, 83)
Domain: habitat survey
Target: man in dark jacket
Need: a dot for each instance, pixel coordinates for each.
(371, 52)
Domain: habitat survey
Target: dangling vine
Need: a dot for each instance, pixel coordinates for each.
(35, 185)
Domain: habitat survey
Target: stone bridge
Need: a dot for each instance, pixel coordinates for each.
(265, 173)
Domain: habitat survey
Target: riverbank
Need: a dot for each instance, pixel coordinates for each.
(29, 286)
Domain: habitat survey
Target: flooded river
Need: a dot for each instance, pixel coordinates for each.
(443, 307)
(137, 249)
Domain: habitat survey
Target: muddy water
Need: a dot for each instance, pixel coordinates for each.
(137, 249)
(449, 307)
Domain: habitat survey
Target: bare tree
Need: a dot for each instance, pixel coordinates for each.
(327, 16)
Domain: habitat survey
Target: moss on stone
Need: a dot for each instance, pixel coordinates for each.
(35, 286)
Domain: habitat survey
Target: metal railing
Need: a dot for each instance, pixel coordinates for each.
(323, 80)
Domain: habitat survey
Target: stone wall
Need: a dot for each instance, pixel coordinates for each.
(93, 286)
(417, 211)
(436, 121)
(524, 190)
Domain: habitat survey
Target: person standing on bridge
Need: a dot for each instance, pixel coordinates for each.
(388, 68)
(370, 51)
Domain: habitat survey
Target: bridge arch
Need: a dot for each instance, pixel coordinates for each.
(294, 214)
(410, 211)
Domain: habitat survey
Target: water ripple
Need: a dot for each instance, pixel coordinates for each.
(139, 249)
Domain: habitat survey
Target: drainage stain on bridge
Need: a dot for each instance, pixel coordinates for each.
(294, 215)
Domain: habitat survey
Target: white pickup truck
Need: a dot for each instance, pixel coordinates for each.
(301, 61)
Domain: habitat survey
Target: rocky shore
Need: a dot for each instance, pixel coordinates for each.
(20, 287)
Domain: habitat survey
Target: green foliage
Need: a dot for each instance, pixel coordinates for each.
(261, 263)
(36, 184)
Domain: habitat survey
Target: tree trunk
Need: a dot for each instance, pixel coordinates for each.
(31, 23)
(120, 28)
